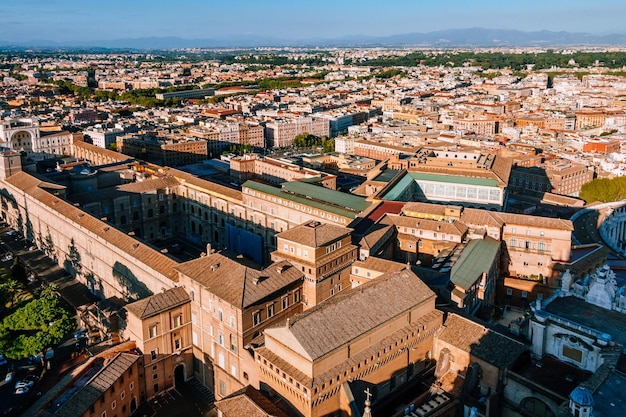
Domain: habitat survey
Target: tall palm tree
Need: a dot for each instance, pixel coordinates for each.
(50, 290)
(12, 287)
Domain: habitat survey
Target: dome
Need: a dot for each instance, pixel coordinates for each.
(581, 396)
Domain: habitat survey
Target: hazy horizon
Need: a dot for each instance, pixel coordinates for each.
(66, 21)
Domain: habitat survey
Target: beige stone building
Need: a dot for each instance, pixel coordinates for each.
(469, 353)
(161, 327)
(323, 252)
(275, 172)
(115, 389)
(232, 302)
(380, 333)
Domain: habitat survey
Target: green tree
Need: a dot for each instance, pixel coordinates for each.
(13, 289)
(50, 290)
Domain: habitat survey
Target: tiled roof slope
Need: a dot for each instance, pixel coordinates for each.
(155, 304)
(314, 234)
(236, 283)
(348, 315)
(80, 402)
(248, 402)
(488, 345)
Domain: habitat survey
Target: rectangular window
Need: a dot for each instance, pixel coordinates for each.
(152, 331)
(156, 387)
(285, 302)
(296, 296)
(573, 354)
(233, 343)
(256, 318)
(113, 405)
(222, 388)
(193, 318)
(194, 338)
(270, 310)
(178, 344)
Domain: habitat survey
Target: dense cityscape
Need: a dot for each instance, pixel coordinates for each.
(286, 231)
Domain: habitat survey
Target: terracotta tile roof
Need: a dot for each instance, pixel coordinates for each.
(498, 219)
(236, 283)
(379, 264)
(435, 209)
(158, 303)
(486, 344)
(248, 402)
(341, 319)
(502, 168)
(374, 235)
(314, 234)
(536, 221)
(211, 187)
(478, 217)
(78, 405)
(454, 228)
(152, 184)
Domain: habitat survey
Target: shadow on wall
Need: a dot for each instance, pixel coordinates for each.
(132, 288)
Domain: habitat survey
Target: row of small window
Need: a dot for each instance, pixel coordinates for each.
(113, 403)
(153, 330)
(459, 192)
(177, 345)
(527, 244)
(541, 233)
(277, 370)
(435, 234)
(509, 291)
(297, 251)
(220, 314)
(257, 316)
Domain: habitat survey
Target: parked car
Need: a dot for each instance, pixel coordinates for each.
(21, 390)
(34, 359)
(80, 334)
(24, 383)
(3, 360)
(9, 376)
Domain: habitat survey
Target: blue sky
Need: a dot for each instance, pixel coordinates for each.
(67, 20)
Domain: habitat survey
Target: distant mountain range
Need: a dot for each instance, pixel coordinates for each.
(473, 37)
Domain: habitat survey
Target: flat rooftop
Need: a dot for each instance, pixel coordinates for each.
(589, 315)
(559, 377)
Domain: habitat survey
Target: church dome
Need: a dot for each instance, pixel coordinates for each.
(581, 396)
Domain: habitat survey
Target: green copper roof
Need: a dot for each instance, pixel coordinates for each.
(400, 187)
(477, 258)
(387, 175)
(336, 202)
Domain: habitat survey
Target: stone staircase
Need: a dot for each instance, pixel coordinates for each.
(201, 390)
